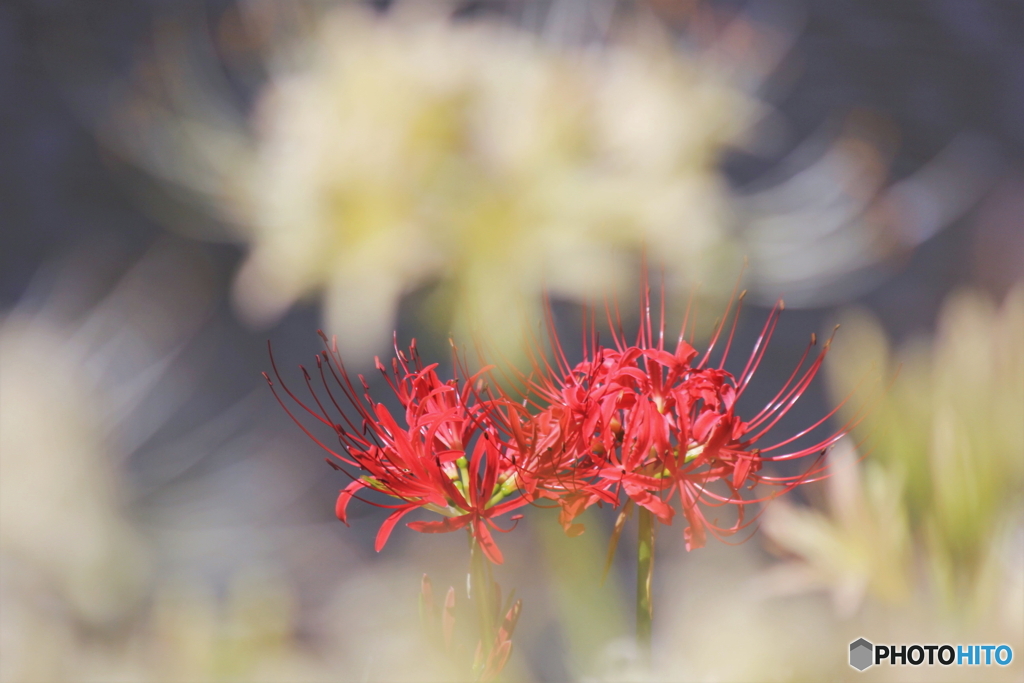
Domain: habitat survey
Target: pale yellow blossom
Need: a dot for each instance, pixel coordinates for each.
(937, 512)
(391, 153)
(862, 546)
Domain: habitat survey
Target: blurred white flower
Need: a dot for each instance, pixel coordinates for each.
(938, 515)
(388, 153)
(71, 385)
(862, 546)
(87, 375)
(58, 502)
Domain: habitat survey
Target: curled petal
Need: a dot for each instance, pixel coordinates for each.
(515, 522)
(389, 524)
(341, 506)
(694, 534)
(486, 541)
(662, 510)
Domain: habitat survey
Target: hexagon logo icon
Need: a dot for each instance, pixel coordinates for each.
(861, 652)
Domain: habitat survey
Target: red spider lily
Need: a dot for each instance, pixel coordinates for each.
(656, 425)
(460, 454)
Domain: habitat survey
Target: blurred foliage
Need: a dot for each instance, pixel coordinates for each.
(932, 520)
(85, 593)
(591, 611)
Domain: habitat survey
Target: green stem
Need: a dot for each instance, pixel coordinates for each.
(644, 574)
(481, 592)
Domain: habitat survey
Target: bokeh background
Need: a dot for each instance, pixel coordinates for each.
(182, 181)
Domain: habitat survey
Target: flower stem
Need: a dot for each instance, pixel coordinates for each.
(644, 574)
(481, 592)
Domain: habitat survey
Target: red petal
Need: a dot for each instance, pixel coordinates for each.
(344, 497)
(661, 357)
(487, 544)
(662, 510)
(705, 421)
(695, 537)
(571, 507)
(441, 526)
(739, 474)
(694, 533)
(389, 524)
(685, 353)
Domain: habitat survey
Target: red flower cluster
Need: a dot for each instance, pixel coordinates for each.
(630, 422)
(655, 425)
(460, 454)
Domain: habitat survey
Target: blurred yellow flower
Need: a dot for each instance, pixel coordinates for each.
(862, 547)
(944, 478)
(394, 152)
(61, 527)
(84, 594)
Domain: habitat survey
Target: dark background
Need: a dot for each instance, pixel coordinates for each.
(936, 69)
